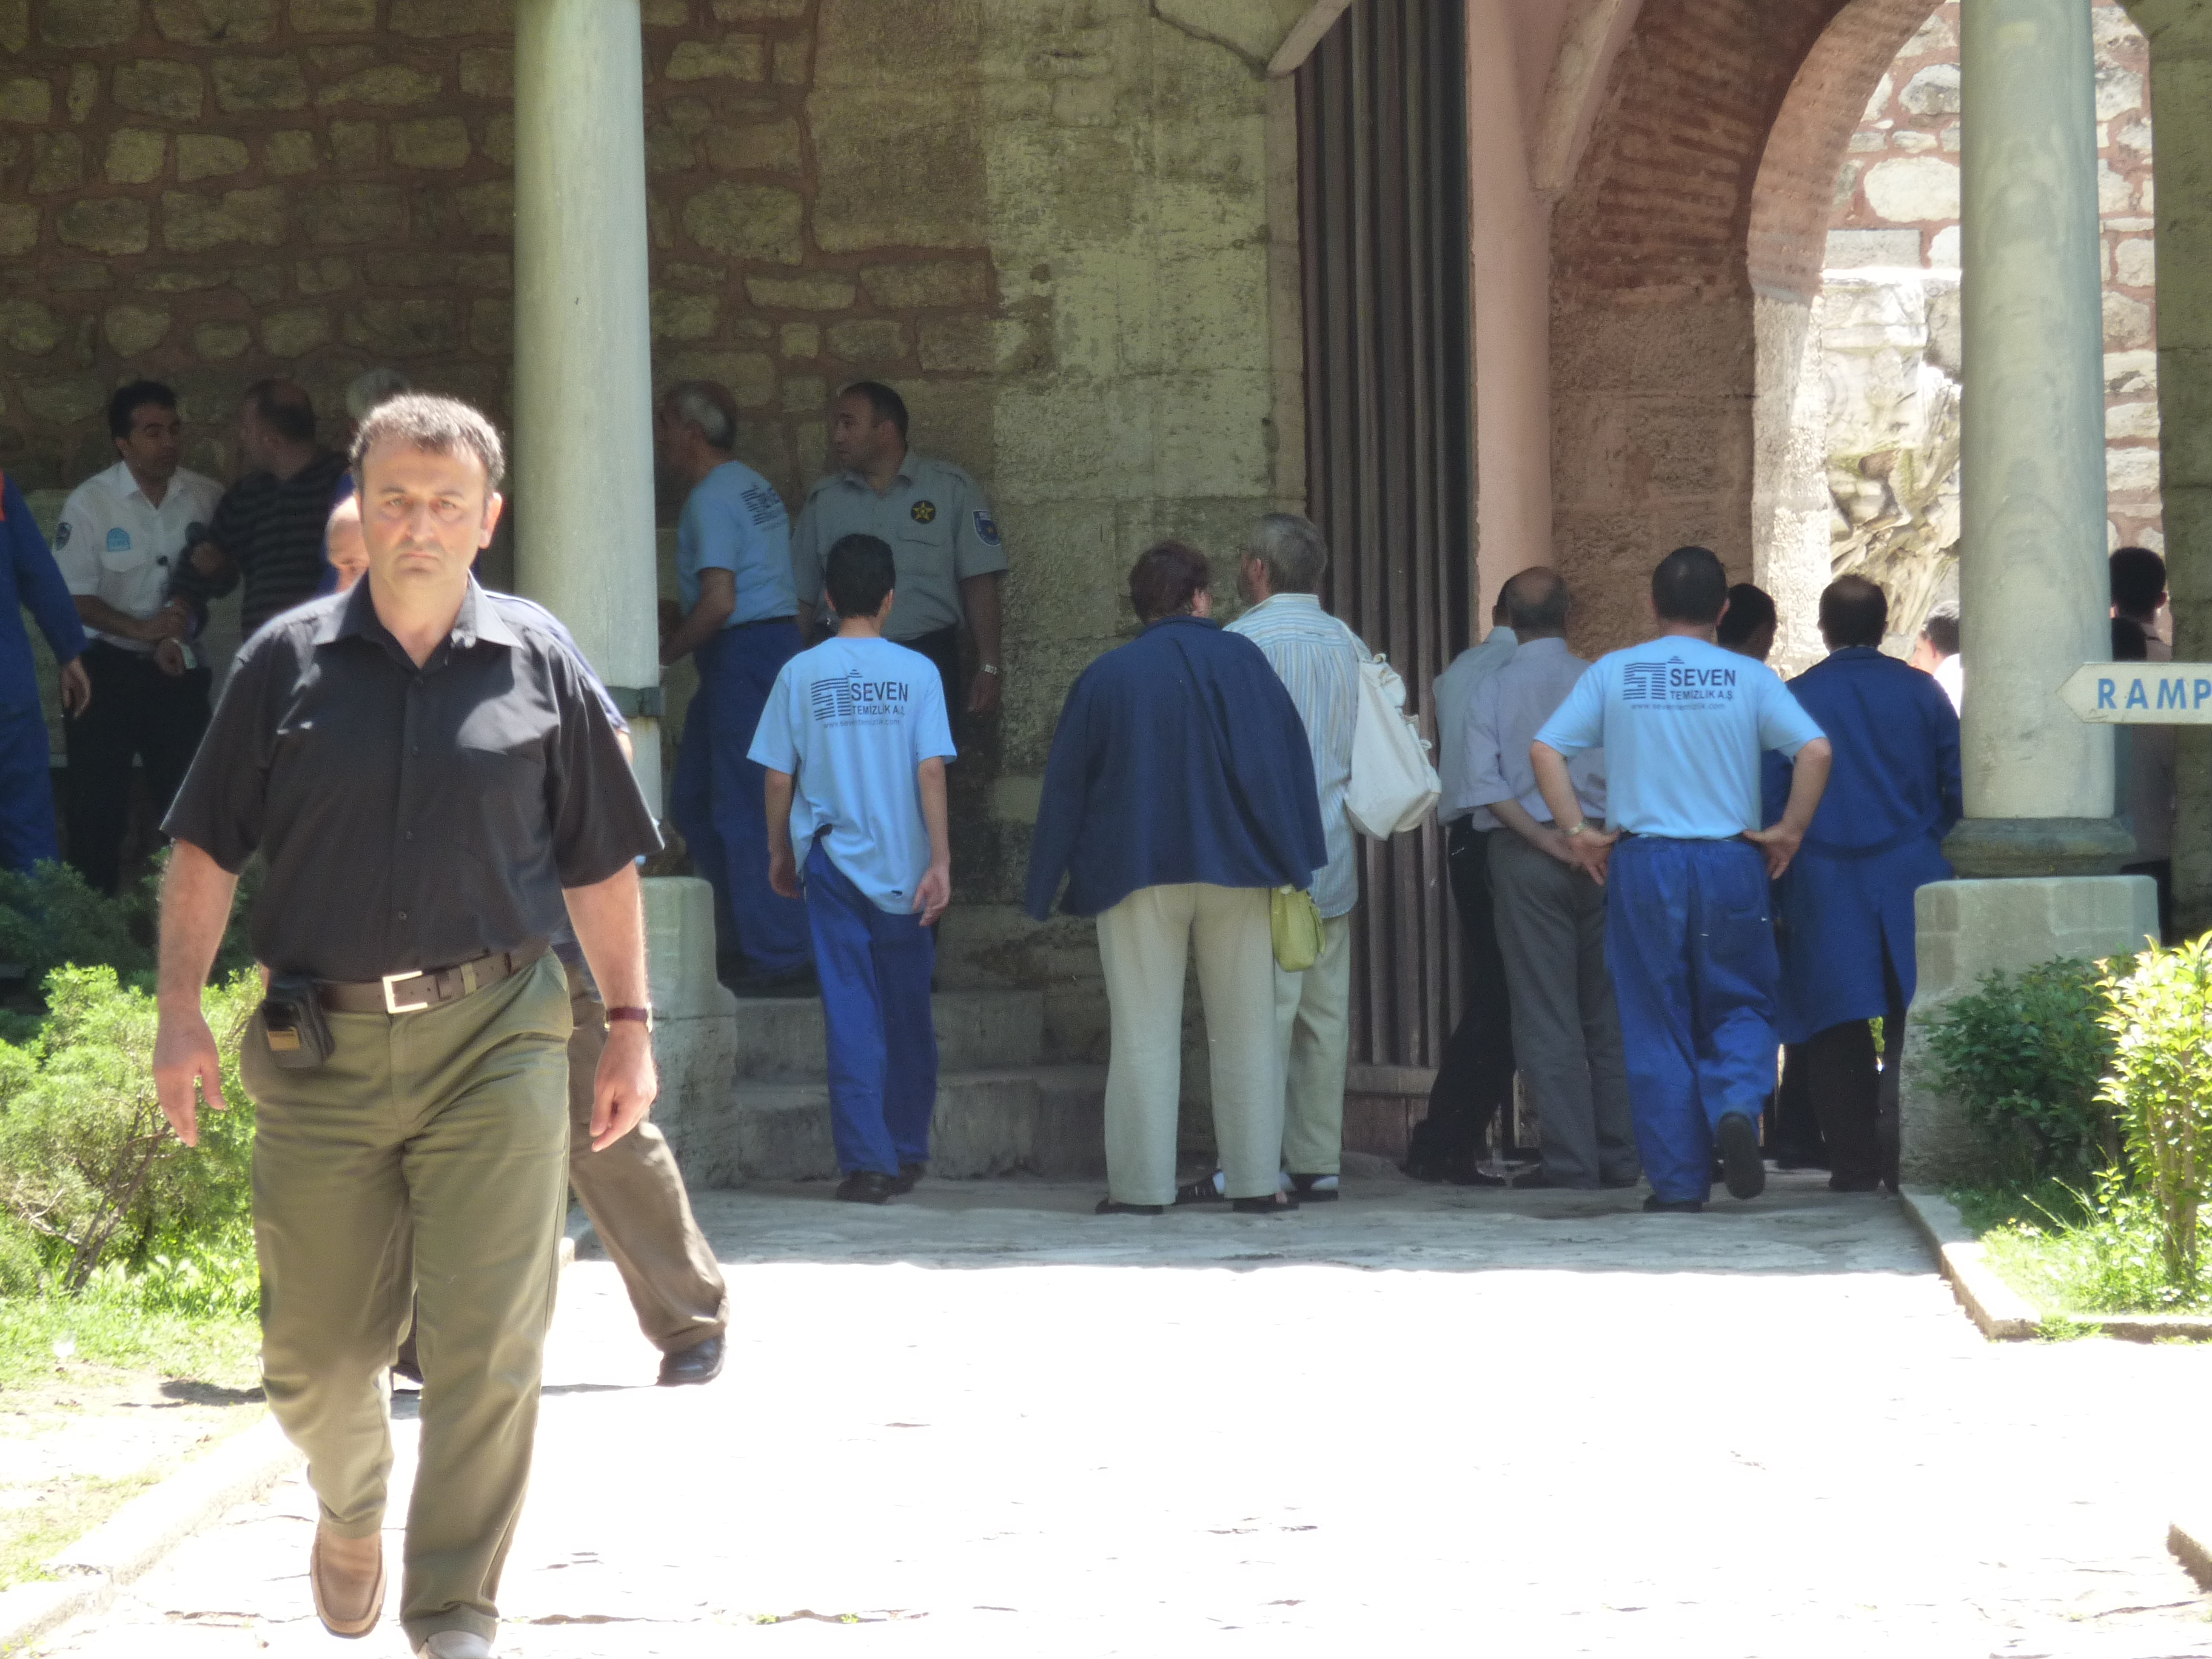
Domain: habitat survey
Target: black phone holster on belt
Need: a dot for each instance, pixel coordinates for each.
(292, 1023)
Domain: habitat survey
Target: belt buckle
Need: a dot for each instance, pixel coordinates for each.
(392, 1005)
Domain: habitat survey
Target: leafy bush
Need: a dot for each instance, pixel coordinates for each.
(2159, 1016)
(49, 919)
(2027, 1056)
(2103, 1254)
(88, 1163)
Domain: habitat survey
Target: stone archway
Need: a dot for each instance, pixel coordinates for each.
(1791, 202)
(1652, 326)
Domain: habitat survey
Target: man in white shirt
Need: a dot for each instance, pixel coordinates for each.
(122, 533)
(1937, 653)
(1551, 920)
(1475, 1081)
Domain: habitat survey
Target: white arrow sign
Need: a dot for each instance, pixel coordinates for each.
(2141, 693)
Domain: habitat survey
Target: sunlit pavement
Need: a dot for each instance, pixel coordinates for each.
(983, 1421)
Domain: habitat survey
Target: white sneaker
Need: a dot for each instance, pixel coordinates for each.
(454, 1644)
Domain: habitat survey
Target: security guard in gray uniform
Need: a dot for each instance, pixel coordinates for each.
(432, 785)
(942, 539)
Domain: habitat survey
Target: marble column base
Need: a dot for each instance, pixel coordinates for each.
(2039, 847)
(1967, 928)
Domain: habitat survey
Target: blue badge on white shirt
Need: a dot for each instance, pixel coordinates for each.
(987, 531)
(118, 540)
(62, 536)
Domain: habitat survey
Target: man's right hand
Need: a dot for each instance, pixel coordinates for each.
(75, 686)
(185, 1054)
(783, 872)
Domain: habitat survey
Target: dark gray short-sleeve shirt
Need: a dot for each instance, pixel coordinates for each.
(410, 819)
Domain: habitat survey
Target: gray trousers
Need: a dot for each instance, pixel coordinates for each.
(1566, 1031)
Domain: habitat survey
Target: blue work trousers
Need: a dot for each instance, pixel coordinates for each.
(1690, 941)
(26, 789)
(720, 799)
(875, 966)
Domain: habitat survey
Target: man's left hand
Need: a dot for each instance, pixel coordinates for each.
(1780, 845)
(75, 687)
(627, 1084)
(983, 695)
(932, 895)
(169, 658)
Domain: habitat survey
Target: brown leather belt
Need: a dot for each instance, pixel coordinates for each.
(428, 988)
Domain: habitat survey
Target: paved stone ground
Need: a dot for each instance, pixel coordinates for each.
(1420, 1421)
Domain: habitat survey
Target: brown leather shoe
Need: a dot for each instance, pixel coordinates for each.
(348, 1575)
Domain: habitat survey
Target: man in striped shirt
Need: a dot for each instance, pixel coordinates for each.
(269, 526)
(1317, 658)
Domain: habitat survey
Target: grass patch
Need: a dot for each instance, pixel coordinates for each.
(222, 1349)
(31, 1538)
(2073, 1254)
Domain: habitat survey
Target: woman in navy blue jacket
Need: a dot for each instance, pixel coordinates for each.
(1179, 796)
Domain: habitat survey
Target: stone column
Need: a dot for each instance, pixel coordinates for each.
(2033, 598)
(583, 484)
(2032, 579)
(583, 347)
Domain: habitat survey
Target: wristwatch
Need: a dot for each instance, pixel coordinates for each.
(990, 668)
(642, 1016)
(1578, 829)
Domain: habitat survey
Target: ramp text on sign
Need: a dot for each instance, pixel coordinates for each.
(2141, 693)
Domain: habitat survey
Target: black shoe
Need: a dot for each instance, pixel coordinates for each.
(790, 983)
(1201, 1191)
(1792, 1161)
(1423, 1168)
(1620, 1184)
(1278, 1204)
(1541, 1182)
(1737, 1142)
(1306, 1189)
(1656, 1205)
(1474, 1176)
(908, 1178)
(868, 1186)
(1114, 1206)
(700, 1363)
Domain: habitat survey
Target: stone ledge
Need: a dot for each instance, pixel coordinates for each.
(2001, 1312)
(2191, 1543)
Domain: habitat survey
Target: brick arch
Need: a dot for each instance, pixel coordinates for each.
(1653, 334)
(1795, 191)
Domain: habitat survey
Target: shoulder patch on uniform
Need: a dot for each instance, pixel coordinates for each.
(924, 512)
(118, 540)
(987, 528)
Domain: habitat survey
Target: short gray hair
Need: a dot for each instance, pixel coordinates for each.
(372, 386)
(708, 406)
(439, 426)
(1292, 549)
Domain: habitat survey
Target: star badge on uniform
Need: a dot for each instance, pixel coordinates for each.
(924, 512)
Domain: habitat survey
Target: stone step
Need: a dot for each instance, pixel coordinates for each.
(1047, 1119)
(781, 1039)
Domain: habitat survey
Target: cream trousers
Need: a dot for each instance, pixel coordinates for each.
(1313, 1028)
(1144, 942)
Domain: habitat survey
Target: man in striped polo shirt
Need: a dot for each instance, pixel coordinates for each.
(1317, 658)
(268, 528)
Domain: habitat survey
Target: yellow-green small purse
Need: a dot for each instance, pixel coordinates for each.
(1295, 921)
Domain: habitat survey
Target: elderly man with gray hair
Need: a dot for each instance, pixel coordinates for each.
(1317, 658)
(739, 617)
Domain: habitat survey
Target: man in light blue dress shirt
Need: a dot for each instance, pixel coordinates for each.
(740, 617)
(1317, 658)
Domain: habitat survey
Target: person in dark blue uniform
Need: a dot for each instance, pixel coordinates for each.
(34, 583)
(1846, 902)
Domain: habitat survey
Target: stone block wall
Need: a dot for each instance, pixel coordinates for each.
(1048, 225)
(1896, 204)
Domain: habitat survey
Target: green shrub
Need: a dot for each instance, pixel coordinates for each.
(88, 1163)
(2093, 1254)
(49, 919)
(2159, 1016)
(2027, 1056)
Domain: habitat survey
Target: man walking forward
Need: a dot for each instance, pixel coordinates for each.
(427, 776)
(1688, 934)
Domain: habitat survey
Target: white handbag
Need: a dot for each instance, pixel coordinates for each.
(1393, 787)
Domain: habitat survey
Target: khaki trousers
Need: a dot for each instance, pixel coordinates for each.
(1313, 1028)
(1144, 942)
(634, 1195)
(438, 1138)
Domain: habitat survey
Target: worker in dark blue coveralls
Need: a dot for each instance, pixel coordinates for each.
(34, 581)
(1689, 933)
(738, 614)
(1846, 903)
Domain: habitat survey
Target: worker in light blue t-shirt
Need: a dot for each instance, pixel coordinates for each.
(740, 619)
(855, 739)
(1689, 938)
